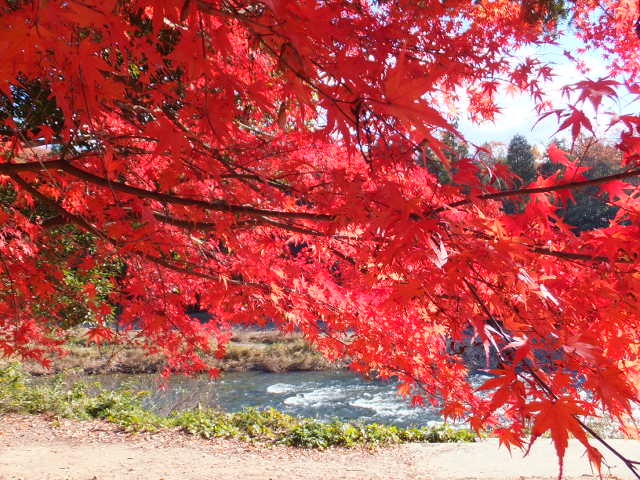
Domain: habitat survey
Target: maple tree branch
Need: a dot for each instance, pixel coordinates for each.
(217, 278)
(217, 205)
(192, 272)
(533, 190)
(225, 207)
(344, 257)
(81, 222)
(186, 224)
(555, 253)
(205, 226)
(630, 464)
(220, 158)
(11, 169)
(305, 231)
(198, 225)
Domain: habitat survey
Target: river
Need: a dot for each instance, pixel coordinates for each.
(324, 395)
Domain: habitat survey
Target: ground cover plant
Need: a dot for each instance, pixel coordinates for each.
(266, 162)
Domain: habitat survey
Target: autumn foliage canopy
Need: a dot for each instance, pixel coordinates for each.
(260, 159)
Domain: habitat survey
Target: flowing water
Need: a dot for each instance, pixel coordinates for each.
(324, 395)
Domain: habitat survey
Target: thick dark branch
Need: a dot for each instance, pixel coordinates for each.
(305, 231)
(182, 223)
(85, 225)
(528, 191)
(9, 168)
(578, 256)
(208, 226)
(186, 224)
(557, 253)
(217, 205)
(191, 269)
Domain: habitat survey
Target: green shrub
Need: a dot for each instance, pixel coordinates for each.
(309, 434)
(206, 423)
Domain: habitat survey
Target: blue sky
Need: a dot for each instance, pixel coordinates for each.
(518, 115)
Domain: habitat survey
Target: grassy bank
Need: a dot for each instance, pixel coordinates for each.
(123, 407)
(269, 351)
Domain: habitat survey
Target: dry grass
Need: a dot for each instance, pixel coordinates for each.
(270, 351)
(291, 354)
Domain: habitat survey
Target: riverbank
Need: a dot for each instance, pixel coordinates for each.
(39, 447)
(62, 398)
(268, 351)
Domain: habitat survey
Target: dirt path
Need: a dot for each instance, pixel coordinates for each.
(34, 448)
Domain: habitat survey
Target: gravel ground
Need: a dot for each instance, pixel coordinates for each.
(40, 448)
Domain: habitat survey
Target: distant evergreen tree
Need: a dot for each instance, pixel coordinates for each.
(521, 160)
(429, 160)
(454, 150)
(589, 209)
(548, 168)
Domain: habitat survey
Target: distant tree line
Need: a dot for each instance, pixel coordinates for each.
(590, 207)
